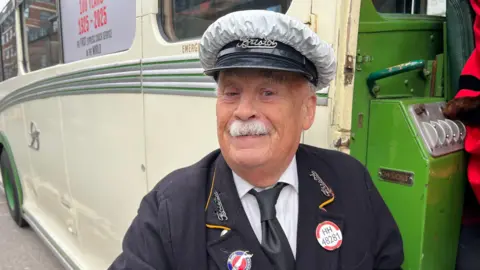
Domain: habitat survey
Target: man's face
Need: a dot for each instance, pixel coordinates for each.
(261, 115)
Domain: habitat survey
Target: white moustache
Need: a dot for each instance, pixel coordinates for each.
(248, 128)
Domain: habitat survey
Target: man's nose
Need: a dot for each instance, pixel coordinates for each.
(246, 107)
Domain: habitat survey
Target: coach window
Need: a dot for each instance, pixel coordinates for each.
(424, 7)
(9, 47)
(188, 19)
(42, 33)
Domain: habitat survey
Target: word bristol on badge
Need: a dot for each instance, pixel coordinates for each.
(239, 260)
(329, 235)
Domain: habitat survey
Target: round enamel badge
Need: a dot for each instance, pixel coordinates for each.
(329, 235)
(239, 260)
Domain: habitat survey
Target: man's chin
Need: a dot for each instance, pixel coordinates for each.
(249, 157)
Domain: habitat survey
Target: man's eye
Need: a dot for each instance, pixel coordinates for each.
(268, 93)
(231, 94)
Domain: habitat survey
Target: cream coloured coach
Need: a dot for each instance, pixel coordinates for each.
(100, 99)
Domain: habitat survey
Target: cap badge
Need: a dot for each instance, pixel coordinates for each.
(257, 43)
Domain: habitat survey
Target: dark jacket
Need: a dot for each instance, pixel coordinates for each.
(178, 226)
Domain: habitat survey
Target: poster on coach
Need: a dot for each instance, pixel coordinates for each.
(92, 28)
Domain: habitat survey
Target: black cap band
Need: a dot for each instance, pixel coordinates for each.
(263, 53)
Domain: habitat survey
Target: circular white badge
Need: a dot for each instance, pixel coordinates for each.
(329, 235)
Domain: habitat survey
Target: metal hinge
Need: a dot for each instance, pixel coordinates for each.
(349, 72)
(342, 142)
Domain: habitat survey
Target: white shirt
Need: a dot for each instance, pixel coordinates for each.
(286, 207)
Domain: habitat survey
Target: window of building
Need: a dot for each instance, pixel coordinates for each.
(43, 44)
(1, 66)
(45, 15)
(188, 19)
(425, 7)
(9, 47)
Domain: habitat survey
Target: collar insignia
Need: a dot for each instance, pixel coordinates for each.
(219, 211)
(326, 190)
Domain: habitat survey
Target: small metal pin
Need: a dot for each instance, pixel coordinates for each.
(326, 190)
(220, 211)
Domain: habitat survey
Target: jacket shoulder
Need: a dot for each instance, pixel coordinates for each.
(346, 172)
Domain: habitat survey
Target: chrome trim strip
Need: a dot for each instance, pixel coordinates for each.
(61, 256)
(198, 71)
(180, 57)
(190, 79)
(100, 85)
(190, 93)
(99, 71)
(172, 66)
(58, 93)
(78, 77)
(92, 77)
(119, 82)
(207, 85)
(129, 71)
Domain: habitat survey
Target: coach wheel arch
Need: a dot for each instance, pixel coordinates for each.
(11, 185)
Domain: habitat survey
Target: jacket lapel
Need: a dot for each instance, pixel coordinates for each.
(315, 191)
(228, 228)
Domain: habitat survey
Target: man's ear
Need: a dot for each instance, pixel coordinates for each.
(309, 109)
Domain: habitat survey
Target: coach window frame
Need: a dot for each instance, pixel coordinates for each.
(5, 13)
(25, 45)
(168, 33)
(410, 7)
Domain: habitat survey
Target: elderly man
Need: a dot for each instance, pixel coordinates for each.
(264, 201)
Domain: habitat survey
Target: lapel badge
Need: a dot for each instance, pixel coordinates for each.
(329, 235)
(326, 190)
(239, 260)
(219, 211)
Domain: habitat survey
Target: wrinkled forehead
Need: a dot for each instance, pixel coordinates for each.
(283, 77)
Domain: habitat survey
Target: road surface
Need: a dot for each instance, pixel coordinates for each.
(21, 248)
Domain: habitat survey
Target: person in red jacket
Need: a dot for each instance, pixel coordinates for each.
(465, 107)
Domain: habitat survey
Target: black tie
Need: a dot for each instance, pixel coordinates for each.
(274, 240)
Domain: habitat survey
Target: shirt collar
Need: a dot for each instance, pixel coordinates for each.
(290, 176)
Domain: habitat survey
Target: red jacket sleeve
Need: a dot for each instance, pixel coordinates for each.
(469, 85)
